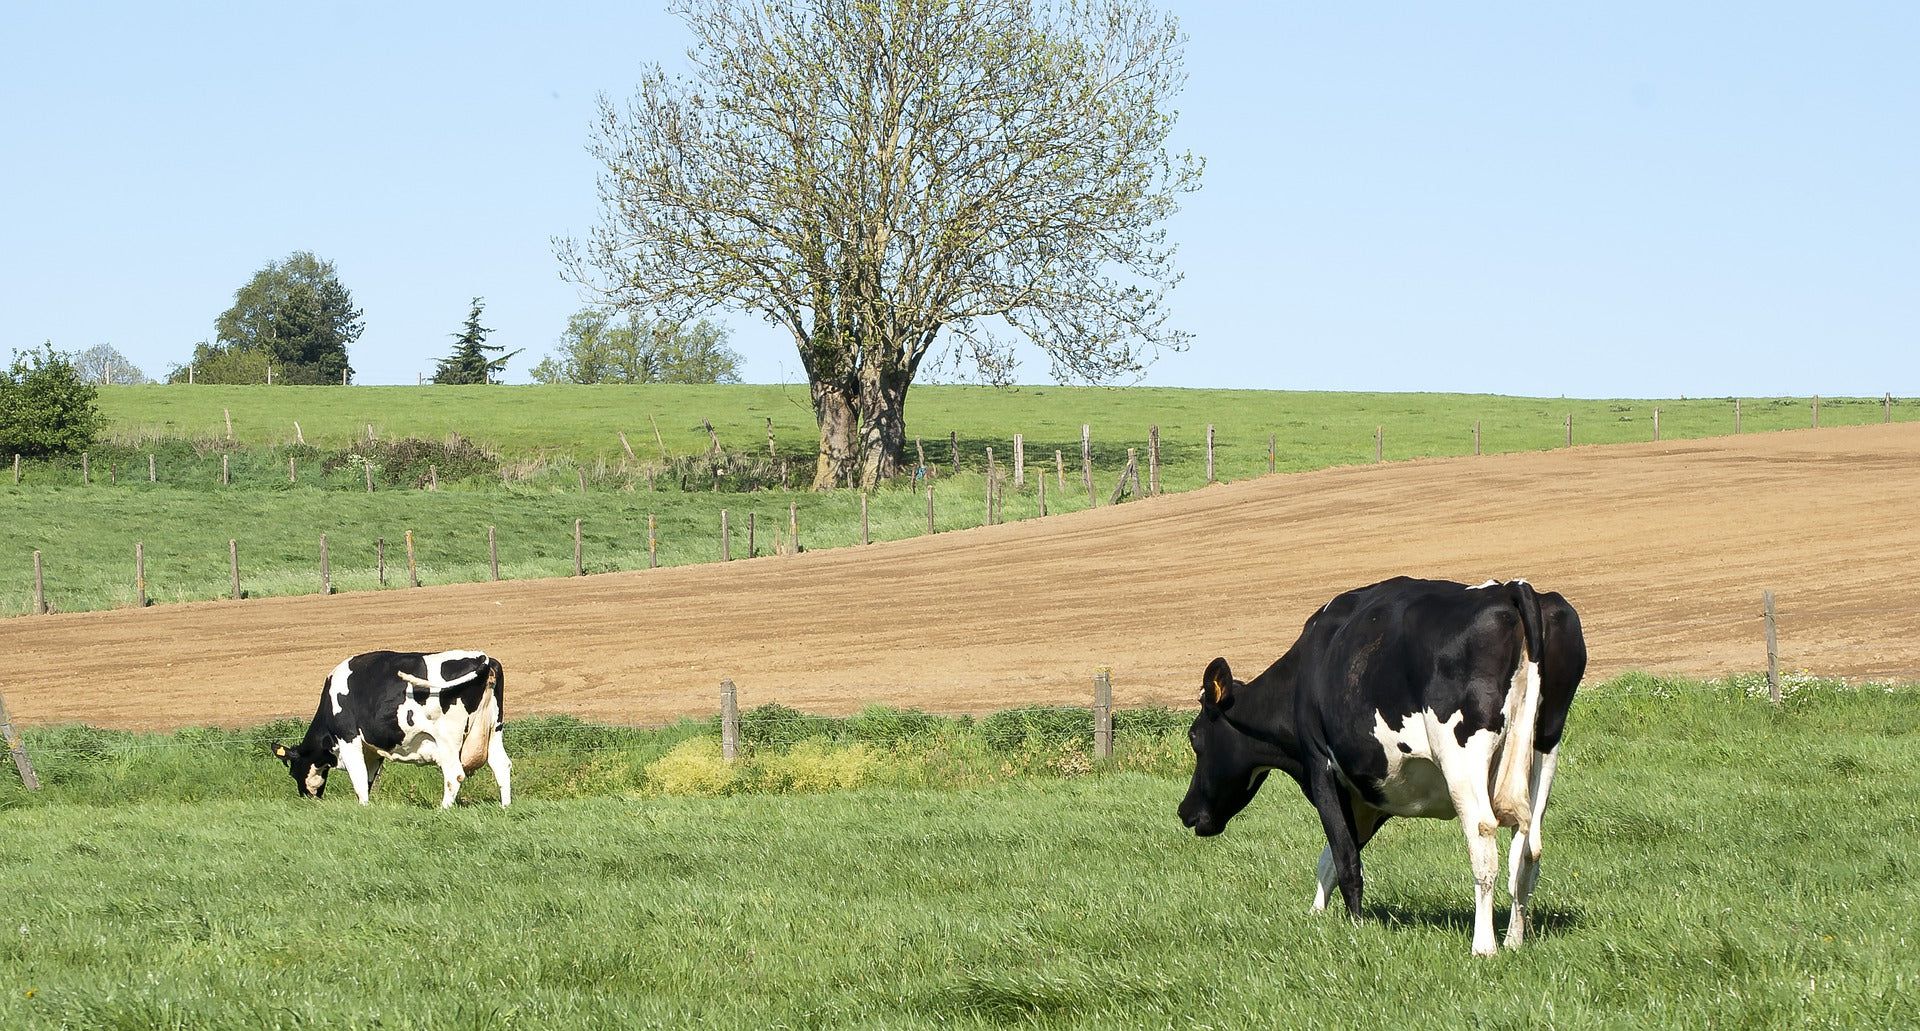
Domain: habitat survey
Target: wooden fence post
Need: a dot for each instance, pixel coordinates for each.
(1773, 647)
(380, 559)
(953, 446)
(920, 449)
(1041, 481)
(413, 570)
(292, 477)
(992, 475)
(16, 469)
(1086, 461)
(39, 587)
(140, 574)
(1476, 436)
(1656, 424)
(657, 439)
(653, 546)
(1153, 461)
(624, 446)
(1736, 415)
(578, 568)
(493, 554)
(225, 479)
(1656, 420)
(929, 509)
(86, 473)
(326, 572)
(1379, 443)
(726, 538)
(298, 437)
(865, 538)
(793, 525)
(367, 468)
(1889, 404)
(153, 473)
(1103, 713)
(433, 477)
(729, 721)
(1816, 417)
(1209, 452)
(233, 566)
(1129, 473)
(1273, 451)
(772, 451)
(1019, 460)
(751, 543)
(1059, 469)
(18, 747)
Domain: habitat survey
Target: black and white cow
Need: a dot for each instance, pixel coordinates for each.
(442, 708)
(1406, 698)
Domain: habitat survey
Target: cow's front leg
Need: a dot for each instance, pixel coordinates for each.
(352, 756)
(1366, 821)
(1523, 860)
(1331, 800)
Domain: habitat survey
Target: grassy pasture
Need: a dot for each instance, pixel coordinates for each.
(1712, 861)
(552, 438)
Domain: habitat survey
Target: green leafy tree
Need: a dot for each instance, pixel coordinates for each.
(469, 362)
(47, 406)
(293, 315)
(598, 348)
(103, 363)
(868, 175)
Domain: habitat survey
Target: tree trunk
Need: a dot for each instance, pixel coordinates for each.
(883, 424)
(834, 409)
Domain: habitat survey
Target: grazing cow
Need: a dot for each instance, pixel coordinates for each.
(1406, 698)
(419, 707)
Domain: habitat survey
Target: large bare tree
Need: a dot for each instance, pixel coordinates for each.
(869, 173)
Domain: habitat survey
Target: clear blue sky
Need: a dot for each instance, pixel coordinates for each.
(1630, 200)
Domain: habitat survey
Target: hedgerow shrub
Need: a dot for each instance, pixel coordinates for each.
(692, 767)
(1015, 729)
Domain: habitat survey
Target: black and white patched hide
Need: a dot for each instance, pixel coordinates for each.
(1405, 698)
(439, 708)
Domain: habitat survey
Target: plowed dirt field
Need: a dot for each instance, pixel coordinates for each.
(1664, 548)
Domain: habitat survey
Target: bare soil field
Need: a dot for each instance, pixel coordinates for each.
(1664, 548)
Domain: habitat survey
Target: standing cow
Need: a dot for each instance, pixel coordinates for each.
(1406, 698)
(443, 708)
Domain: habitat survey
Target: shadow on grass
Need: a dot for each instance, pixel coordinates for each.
(1455, 914)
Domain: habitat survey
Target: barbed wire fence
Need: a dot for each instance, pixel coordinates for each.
(1100, 722)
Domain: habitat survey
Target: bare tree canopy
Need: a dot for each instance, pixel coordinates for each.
(868, 173)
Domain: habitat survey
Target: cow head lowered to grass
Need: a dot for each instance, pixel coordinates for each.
(1405, 698)
(443, 708)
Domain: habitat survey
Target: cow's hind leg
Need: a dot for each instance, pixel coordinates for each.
(1523, 859)
(1467, 769)
(451, 774)
(501, 766)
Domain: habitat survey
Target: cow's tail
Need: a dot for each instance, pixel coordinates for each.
(1512, 791)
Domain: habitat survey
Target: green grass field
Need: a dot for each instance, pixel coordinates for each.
(552, 441)
(1712, 861)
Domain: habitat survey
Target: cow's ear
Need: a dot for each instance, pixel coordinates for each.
(282, 753)
(1216, 685)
